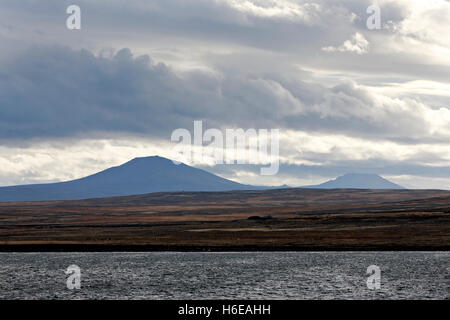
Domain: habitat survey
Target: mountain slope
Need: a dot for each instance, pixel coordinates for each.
(358, 181)
(138, 176)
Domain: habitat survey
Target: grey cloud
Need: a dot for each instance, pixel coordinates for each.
(192, 23)
(56, 91)
(216, 25)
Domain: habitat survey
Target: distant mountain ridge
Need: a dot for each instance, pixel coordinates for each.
(358, 181)
(138, 176)
(157, 174)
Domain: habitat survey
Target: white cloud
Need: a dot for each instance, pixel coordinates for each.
(307, 13)
(357, 44)
(426, 21)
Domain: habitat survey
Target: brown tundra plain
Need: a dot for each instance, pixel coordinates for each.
(282, 219)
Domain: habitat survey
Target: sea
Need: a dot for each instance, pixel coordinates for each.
(225, 275)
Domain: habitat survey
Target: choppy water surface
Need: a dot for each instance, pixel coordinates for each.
(240, 275)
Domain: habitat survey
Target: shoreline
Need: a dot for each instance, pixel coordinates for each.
(159, 248)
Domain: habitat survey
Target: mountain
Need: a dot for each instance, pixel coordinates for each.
(138, 176)
(358, 181)
(157, 174)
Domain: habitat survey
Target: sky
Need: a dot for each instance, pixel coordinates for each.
(344, 98)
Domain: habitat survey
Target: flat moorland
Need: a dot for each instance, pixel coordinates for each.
(282, 219)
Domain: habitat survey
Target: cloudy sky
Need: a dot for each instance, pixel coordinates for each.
(345, 98)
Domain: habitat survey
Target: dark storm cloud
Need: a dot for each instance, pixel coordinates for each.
(56, 92)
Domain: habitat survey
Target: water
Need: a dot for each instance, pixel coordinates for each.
(238, 275)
